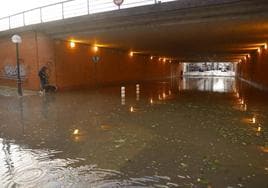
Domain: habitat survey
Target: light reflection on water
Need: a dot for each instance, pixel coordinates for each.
(213, 84)
(182, 133)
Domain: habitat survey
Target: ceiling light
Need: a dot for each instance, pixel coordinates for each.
(95, 48)
(72, 44)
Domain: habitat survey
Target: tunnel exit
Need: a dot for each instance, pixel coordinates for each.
(226, 69)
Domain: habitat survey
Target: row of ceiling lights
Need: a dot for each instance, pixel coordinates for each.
(259, 50)
(131, 53)
(73, 44)
(164, 59)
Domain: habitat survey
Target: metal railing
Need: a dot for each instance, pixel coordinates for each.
(67, 9)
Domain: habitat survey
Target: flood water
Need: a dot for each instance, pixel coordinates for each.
(195, 132)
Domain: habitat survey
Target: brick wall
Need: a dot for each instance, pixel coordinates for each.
(28, 60)
(75, 68)
(255, 69)
(71, 68)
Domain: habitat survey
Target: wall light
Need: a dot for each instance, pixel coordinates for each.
(248, 56)
(265, 46)
(95, 48)
(259, 50)
(164, 60)
(131, 54)
(72, 44)
(151, 57)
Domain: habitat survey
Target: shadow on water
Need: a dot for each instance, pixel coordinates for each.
(195, 132)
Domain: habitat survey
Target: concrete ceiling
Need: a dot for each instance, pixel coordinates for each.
(219, 30)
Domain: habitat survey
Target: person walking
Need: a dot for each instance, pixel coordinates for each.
(43, 76)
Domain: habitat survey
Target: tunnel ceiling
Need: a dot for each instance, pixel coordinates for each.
(215, 32)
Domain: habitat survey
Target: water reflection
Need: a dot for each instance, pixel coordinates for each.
(123, 95)
(76, 132)
(131, 109)
(137, 92)
(253, 120)
(21, 109)
(184, 133)
(213, 84)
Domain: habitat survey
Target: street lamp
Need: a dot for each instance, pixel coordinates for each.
(118, 3)
(17, 40)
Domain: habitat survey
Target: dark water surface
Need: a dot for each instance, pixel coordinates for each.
(198, 132)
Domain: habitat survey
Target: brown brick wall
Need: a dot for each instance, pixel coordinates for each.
(255, 69)
(75, 68)
(71, 68)
(27, 50)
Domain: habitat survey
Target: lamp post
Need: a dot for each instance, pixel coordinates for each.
(118, 3)
(17, 40)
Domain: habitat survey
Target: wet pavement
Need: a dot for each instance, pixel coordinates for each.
(11, 91)
(196, 132)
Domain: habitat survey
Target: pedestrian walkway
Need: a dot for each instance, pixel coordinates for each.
(12, 91)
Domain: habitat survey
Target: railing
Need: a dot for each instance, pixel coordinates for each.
(67, 9)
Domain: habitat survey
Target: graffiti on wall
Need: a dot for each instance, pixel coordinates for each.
(10, 71)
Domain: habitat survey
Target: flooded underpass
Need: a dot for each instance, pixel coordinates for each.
(194, 132)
